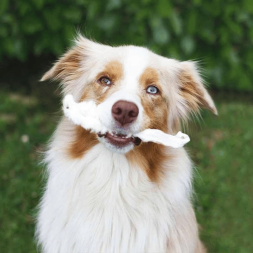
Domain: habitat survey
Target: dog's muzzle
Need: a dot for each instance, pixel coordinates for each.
(124, 112)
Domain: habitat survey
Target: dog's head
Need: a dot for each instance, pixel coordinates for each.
(134, 89)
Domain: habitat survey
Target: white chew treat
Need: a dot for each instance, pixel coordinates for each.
(85, 114)
(157, 136)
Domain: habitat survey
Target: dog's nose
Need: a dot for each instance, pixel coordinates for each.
(125, 112)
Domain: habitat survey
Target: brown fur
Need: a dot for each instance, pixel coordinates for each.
(113, 70)
(67, 68)
(155, 106)
(192, 94)
(84, 140)
(97, 92)
(151, 156)
(150, 77)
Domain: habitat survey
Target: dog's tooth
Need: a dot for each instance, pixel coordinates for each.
(129, 135)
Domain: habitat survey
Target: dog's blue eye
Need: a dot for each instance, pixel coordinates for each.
(152, 90)
(105, 81)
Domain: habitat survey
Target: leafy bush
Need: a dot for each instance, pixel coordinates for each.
(217, 33)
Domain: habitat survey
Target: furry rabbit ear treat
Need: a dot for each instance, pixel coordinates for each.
(158, 136)
(85, 114)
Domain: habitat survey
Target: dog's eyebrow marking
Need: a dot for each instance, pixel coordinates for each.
(149, 76)
(114, 70)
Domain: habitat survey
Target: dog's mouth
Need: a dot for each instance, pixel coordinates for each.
(120, 140)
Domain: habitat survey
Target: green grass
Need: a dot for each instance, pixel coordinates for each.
(221, 149)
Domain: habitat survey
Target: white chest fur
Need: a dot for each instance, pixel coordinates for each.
(101, 204)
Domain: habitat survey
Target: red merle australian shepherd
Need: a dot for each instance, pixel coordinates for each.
(111, 193)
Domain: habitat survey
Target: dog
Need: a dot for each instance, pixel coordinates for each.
(112, 192)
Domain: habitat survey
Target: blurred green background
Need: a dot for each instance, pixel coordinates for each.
(219, 34)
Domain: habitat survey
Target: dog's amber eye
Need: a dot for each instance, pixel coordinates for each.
(152, 90)
(105, 81)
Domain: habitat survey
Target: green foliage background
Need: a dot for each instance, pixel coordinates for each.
(217, 33)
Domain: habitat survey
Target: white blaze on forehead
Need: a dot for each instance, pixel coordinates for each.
(135, 62)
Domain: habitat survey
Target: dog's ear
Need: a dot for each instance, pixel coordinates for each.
(193, 94)
(69, 66)
(65, 67)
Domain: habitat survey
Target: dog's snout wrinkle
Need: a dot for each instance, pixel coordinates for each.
(125, 112)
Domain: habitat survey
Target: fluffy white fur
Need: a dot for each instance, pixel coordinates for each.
(86, 115)
(102, 203)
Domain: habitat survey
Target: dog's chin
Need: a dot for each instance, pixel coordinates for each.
(119, 143)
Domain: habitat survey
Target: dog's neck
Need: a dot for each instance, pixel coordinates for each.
(151, 163)
(104, 196)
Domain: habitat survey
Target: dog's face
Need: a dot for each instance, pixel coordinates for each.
(134, 89)
(130, 97)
